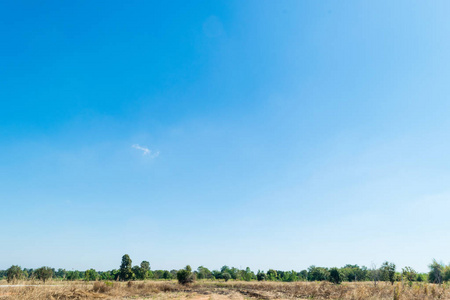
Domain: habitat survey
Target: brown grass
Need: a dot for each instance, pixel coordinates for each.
(206, 290)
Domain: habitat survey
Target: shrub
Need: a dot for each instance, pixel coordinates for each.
(14, 273)
(336, 276)
(436, 272)
(226, 276)
(409, 273)
(261, 276)
(90, 275)
(388, 272)
(272, 274)
(185, 276)
(44, 273)
(317, 273)
(125, 272)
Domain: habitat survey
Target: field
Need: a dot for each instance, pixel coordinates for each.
(205, 290)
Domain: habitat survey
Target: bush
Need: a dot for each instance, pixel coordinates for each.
(226, 276)
(185, 276)
(44, 273)
(336, 276)
(125, 271)
(436, 272)
(14, 273)
(261, 276)
(90, 275)
(272, 274)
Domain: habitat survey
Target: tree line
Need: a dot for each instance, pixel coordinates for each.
(387, 272)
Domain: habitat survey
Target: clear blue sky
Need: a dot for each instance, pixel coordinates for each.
(268, 134)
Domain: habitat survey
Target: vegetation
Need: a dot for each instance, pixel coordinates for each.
(185, 276)
(125, 272)
(438, 274)
(13, 274)
(44, 273)
(238, 290)
(336, 276)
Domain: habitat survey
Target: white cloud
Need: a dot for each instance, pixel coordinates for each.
(146, 151)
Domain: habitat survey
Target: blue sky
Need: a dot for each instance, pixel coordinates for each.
(280, 134)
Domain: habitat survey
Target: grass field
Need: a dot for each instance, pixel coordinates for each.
(205, 290)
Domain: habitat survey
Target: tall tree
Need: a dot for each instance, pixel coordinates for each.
(388, 272)
(44, 273)
(145, 269)
(90, 275)
(125, 271)
(14, 273)
(435, 275)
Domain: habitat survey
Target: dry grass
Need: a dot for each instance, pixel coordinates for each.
(206, 290)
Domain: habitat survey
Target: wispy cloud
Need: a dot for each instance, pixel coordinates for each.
(146, 151)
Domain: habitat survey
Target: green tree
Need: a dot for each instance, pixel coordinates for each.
(247, 274)
(167, 275)
(317, 273)
(43, 273)
(90, 275)
(137, 273)
(204, 273)
(261, 276)
(355, 273)
(272, 274)
(185, 275)
(217, 274)
(409, 274)
(446, 273)
(226, 276)
(435, 274)
(388, 272)
(14, 273)
(125, 271)
(141, 272)
(73, 275)
(61, 273)
(303, 275)
(336, 276)
(145, 269)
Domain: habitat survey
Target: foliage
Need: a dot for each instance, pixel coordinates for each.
(185, 276)
(90, 275)
(436, 272)
(317, 273)
(439, 273)
(355, 273)
(43, 273)
(204, 273)
(247, 274)
(14, 273)
(73, 275)
(167, 275)
(336, 276)
(388, 272)
(302, 275)
(272, 274)
(409, 274)
(261, 276)
(145, 269)
(125, 272)
(288, 276)
(446, 273)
